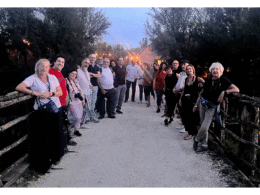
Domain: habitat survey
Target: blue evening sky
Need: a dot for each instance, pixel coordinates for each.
(128, 25)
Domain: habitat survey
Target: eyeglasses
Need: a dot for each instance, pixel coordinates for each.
(75, 74)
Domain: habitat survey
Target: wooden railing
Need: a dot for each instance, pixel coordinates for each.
(239, 133)
(15, 110)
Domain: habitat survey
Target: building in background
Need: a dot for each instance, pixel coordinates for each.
(148, 56)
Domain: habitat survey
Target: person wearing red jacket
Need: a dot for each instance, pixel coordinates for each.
(56, 71)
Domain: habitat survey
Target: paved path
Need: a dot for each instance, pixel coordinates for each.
(133, 150)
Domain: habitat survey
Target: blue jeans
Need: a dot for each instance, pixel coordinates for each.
(120, 94)
(159, 94)
(92, 104)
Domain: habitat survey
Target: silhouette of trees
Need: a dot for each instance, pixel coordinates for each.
(205, 35)
(27, 34)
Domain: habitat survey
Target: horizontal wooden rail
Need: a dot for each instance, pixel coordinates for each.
(8, 148)
(14, 101)
(255, 126)
(14, 122)
(10, 96)
(240, 139)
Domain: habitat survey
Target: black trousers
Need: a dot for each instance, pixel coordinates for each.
(171, 103)
(128, 84)
(190, 119)
(109, 105)
(46, 139)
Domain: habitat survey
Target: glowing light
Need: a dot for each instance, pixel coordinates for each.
(26, 42)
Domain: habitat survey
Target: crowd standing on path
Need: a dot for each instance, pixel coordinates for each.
(64, 105)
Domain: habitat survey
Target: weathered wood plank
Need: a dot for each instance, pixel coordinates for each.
(14, 101)
(13, 122)
(13, 145)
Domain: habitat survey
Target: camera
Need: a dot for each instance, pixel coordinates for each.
(78, 95)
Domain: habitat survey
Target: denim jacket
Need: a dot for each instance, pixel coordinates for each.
(209, 104)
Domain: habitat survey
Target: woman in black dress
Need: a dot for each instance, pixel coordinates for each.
(187, 101)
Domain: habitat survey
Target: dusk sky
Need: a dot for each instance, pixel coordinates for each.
(128, 25)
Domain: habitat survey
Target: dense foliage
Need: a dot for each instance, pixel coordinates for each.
(205, 35)
(28, 34)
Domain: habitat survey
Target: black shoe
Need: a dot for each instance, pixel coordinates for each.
(101, 116)
(119, 112)
(77, 133)
(201, 149)
(111, 116)
(133, 100)
(166, 122)
(195, 144)
(158, 110)
(171, 119)
(72, 143)
(126, 101)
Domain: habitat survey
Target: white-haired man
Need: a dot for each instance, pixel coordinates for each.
(106, 84)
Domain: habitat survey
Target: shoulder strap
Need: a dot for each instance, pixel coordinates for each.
(68, 88)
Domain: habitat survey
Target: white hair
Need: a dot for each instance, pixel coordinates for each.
(216, 64)
(38, 63)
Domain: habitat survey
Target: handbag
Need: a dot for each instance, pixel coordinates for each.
(49, 107)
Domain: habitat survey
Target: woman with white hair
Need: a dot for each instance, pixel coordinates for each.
(47, 140)
(213, 92)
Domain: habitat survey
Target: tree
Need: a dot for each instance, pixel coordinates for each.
(27, 34)
(205, 35)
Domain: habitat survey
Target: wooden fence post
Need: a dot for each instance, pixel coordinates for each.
(254, 139)
(224, 119)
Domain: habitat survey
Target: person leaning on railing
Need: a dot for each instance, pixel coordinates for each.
(47, 141)
(213, 92)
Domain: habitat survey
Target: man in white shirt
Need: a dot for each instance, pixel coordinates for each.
(131, 78)
(106, 84)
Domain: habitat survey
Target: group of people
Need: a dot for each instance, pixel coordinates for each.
(196, 99)
(63, 105)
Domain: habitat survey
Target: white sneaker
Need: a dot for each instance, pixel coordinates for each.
(85, 126)
(182, 131)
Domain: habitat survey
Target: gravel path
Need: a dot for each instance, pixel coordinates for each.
(133, 150)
